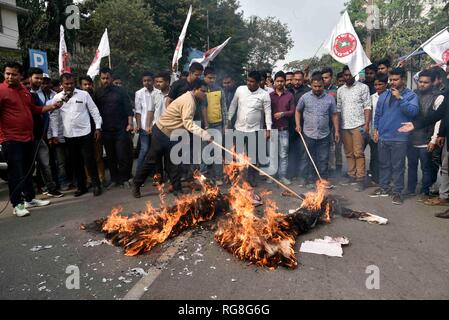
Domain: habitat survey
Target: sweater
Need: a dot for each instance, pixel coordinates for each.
(179, 115)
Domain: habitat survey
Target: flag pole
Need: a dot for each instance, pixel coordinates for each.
(110, 65)
(424, 44)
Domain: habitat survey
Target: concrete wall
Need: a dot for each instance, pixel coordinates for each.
(10, 34)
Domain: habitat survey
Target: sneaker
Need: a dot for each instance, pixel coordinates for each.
(286, 181)
(372, 184)
(36, 203)
(97, 191)
(79, 193)
(55, 194)
(21, 211)
(397, 199)
(443, 215)
(346, 181)
(361, 186)
(424, 197)
(379, 193)
(437, 202)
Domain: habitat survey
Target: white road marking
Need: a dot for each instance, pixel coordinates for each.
(137, 292)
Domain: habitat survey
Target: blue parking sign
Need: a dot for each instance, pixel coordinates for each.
(38, 59)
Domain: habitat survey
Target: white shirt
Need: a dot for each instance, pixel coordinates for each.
(250, 106)
(159, 104)
(374, 99)
(144, 102)
(75, 115)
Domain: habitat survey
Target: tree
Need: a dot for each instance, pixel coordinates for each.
(315, 64)
(225, 21)
(404, 26)
(269, 41)
(40, 29)
(137, 43)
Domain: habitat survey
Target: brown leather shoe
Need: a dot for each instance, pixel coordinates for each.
(443, 215)
(437, 202)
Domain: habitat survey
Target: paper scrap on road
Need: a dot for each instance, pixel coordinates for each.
(40, 248)
(373, 219)
(95, 243)
(328, 246)
(138, 272)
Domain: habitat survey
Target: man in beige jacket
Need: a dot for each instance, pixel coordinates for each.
(178, 115)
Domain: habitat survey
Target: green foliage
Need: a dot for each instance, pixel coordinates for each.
(315, 64)
(40, 29)
(400, 40)
(403, 26)
(143, 34)
(225, 21)
(137, 43)
(396, 12)
(269, 40)
(357, 12)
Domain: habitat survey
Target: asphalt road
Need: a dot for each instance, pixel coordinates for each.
(411, 253)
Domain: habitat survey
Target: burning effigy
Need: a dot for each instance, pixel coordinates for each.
(265, 238)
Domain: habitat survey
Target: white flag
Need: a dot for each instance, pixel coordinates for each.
(345, 47)
(63, 54)
(103, 51)
(180, 45)
(437, 47)
(211, 54)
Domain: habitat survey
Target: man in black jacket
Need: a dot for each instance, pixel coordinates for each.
(442, 113)
(422, 142)
(116, 111)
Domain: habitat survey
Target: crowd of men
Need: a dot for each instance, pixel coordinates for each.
(59, 129)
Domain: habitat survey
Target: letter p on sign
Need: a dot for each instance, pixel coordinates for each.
(38, 59)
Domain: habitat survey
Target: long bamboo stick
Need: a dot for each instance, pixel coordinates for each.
(259, 170)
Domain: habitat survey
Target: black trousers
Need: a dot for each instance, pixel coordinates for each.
(20, 159)
(161, 147)
(374, 161)
(119, 156)
(81, 151)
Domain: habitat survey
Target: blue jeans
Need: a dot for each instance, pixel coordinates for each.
(145, 143)
(216, 170)
(320, 150)
(414, 156)
(283, 153)
(392, 164)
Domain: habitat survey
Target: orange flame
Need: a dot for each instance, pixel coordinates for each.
(264, 239)
(142, 231)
